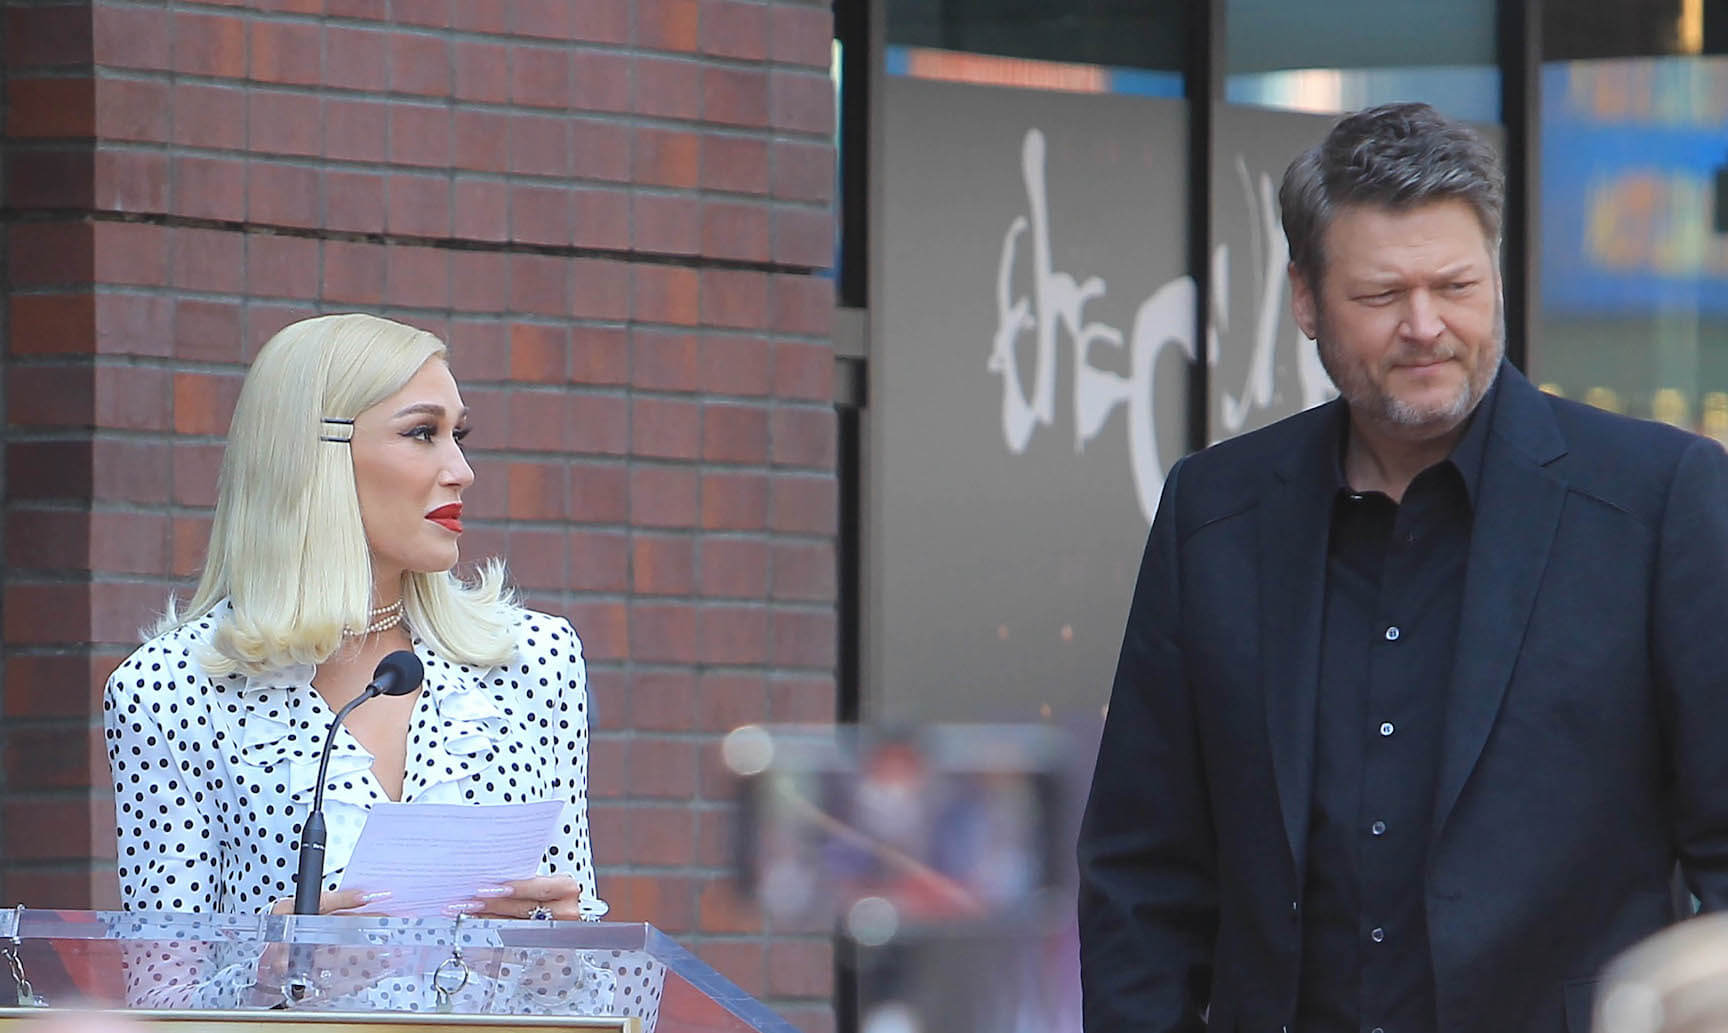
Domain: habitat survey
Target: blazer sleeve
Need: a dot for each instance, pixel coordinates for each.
(1690, 653)
(571, 852)
(1148, 881)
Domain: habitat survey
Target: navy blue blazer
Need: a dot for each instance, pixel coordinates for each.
(1584, 750)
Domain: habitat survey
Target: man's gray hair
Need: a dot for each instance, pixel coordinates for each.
(1395, 156)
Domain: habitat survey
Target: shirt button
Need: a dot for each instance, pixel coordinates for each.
(1387, 729)
(1377, 935)
(1392, 633)
(1378, 828)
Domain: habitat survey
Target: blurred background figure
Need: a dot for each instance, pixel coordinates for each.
(1673, 982)
(938, 854)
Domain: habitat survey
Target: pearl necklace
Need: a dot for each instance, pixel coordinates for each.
(383, 618)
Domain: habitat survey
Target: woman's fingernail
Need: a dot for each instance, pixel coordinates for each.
(467, 907)
(368, 898)
(485, 892)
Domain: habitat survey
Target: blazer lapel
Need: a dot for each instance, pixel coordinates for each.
(1295, 527)
(1517, 513)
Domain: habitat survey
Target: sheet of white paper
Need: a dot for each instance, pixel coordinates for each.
(432, 855)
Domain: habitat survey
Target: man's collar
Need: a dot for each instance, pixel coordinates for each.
(1467, 455)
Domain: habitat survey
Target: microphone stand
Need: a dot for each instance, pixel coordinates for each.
(397, 674)
(308, 884)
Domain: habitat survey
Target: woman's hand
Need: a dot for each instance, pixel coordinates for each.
(560, 895)
(337, 902)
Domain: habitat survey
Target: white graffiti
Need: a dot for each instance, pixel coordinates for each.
(1164, 320)
(1259, 393)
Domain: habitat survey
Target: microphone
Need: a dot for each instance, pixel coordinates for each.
(397, 674)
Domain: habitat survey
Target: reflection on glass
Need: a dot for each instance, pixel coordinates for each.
(1107, 34)
(1468, 92)
(1329, 57)
(1028, 73)
(1634, 260)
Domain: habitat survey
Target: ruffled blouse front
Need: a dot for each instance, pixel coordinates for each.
(213, 777)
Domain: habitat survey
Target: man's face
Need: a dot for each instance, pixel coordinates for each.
(1408, 318)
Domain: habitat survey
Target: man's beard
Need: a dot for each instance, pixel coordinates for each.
(1378, 404)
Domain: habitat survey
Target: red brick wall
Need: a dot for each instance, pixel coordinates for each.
(617, 213)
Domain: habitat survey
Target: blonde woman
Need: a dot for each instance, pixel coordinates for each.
(338, 523)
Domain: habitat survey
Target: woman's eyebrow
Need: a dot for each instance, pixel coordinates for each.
(430, 408)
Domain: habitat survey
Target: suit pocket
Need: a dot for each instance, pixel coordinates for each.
(1580, 998)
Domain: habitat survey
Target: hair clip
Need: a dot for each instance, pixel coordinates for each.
(341, 423)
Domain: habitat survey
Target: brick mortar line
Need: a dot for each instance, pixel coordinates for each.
(774, 604)
(140, 73)
(576, 389)
(626, 120)
(11, 217)
(19, 574)
(388, 167)
(324, 91)
(621, 119)
(85, 287)
(90, 68)
(469, 316)
(120, 650)
(79, 434)
(699, 536)
(451, 32)
(730, 333)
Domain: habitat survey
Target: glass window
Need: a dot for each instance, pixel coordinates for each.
(1105, 34)
(1031, 344)
(1333, 56)
(1633, 310)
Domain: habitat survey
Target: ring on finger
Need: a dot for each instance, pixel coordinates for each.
(540, 913)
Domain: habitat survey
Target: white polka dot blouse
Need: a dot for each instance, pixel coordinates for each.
(214, 776)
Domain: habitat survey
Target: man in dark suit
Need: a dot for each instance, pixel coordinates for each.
(1424, 691)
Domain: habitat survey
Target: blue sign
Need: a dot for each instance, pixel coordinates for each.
(1631, 149)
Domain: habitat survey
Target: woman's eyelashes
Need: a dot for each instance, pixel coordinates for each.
(429, 431)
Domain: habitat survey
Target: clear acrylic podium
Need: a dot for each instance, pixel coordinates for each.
(378, 975)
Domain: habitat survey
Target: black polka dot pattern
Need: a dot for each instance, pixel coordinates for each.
(213, 777)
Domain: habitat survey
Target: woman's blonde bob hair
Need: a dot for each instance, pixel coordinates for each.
(287, 548)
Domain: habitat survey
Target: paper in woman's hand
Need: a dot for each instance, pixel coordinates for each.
(430, 856)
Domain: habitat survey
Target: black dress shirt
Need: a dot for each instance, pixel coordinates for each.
(1394, 579)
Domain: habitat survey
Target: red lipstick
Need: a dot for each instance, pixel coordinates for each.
(448, 516)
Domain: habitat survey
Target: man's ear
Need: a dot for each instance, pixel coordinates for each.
(1303, 305)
